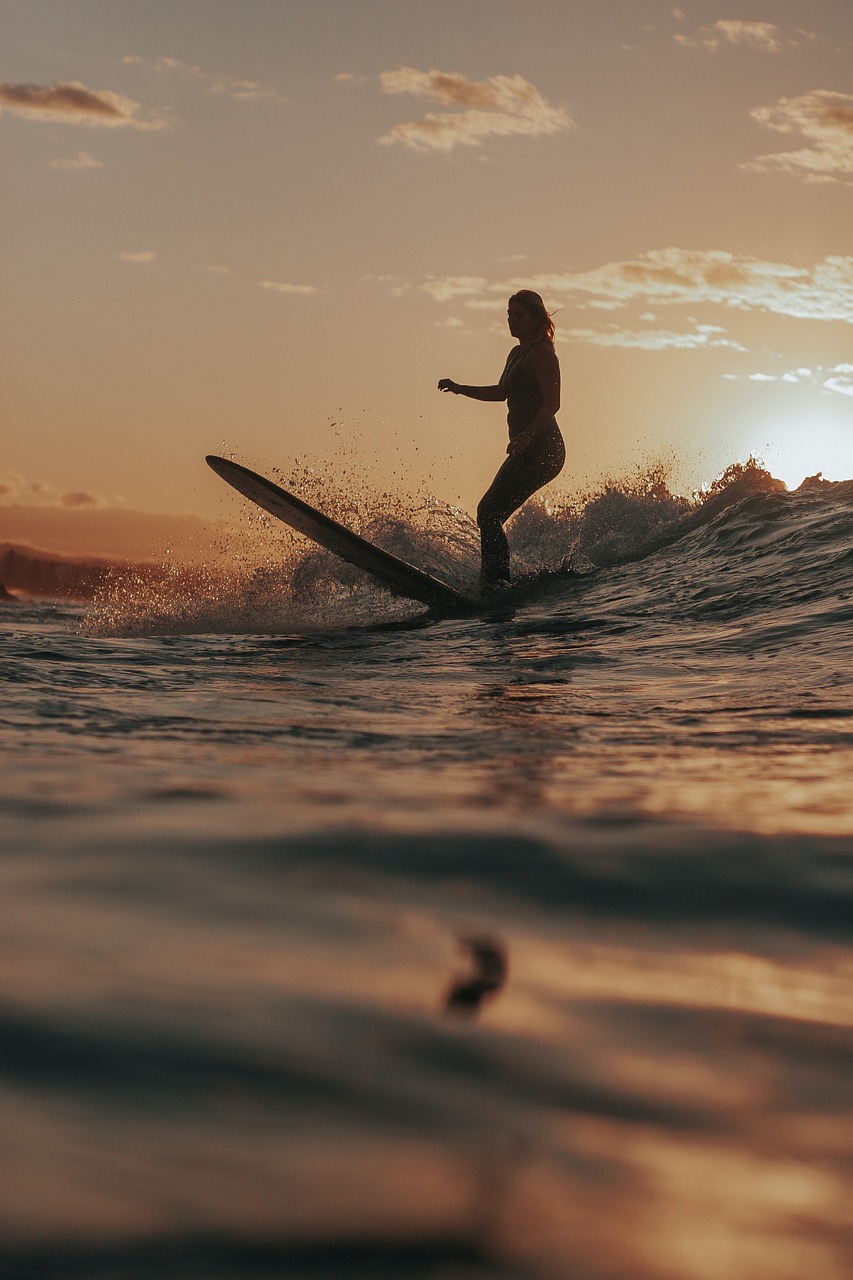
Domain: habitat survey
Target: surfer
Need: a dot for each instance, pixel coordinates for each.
(530, 383)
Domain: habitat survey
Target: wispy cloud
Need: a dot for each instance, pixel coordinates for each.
(663, 278)
(139, 256)
(443, 289)
(16, 490)
(283, 286)
(73, 103)
(825, 120)
(759, 37)
(213, 82)
(10, 486)
(80, 160)
(702, 337)
(674, 277)
(838, 379)
(81, 498)
(500, 106)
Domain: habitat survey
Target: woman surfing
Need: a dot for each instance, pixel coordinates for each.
(530, 384)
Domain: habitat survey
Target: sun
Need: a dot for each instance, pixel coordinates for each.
(817, 442)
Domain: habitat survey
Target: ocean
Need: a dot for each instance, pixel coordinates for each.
(343, 940)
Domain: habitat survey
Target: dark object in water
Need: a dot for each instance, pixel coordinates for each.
(466, 994)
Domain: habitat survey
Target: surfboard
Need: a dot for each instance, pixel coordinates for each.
(394, 574)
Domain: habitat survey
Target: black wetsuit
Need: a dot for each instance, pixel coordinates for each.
(523, 473)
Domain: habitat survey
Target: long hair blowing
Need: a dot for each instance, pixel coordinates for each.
(533, 304)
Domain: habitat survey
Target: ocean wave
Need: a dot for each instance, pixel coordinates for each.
(745, 529)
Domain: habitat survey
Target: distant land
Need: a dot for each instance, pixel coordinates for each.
(47, 573)
(68, 554)
(108, 532)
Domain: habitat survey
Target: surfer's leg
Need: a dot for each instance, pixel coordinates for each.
(516, 481)
(494, 548)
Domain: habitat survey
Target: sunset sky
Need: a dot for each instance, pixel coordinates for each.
(268, 227)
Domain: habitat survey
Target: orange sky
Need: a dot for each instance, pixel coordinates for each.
(270, 227)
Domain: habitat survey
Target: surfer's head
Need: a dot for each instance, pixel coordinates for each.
(528, 318)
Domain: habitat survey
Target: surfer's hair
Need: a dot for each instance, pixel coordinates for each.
(535, 307)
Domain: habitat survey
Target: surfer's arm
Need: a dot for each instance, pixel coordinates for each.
(473, 393)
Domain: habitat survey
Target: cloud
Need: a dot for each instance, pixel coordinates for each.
(73, 103)
(139, 256)
(11, 485)
(214, 82)
(838, 379)
(661, 278)
(825, 120)
(81, 498)
(704, 336)
(675, 277)
(281, 286)
(500, 106)
(454, 287)
(760, 37)
(16, 490)
(81, 160)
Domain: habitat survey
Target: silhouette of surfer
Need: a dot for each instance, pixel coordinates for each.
(530, 384)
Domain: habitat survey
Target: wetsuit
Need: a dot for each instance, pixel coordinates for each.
(523, 473)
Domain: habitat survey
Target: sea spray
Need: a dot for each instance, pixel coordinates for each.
(261, 577)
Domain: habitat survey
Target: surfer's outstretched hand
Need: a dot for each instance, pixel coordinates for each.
(447, 384)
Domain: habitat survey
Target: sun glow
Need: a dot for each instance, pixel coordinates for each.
(809, 445)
